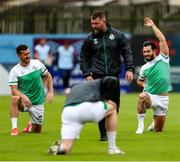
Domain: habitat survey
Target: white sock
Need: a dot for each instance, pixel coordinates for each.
(153, 121)
(111, 139)
(14, 122)
(141, 120)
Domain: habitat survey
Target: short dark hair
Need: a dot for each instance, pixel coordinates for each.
(150, 43)
(20, 48)
(98, 14)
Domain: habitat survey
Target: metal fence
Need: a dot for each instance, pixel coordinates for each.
(70, 19)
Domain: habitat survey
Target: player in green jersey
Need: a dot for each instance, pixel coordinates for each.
(155, 79)
(27, 89)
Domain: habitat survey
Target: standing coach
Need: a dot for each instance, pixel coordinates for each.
(101, 55)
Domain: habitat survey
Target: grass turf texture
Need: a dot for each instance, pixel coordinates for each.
(149, 146)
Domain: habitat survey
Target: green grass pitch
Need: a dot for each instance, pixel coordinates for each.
(149, 146)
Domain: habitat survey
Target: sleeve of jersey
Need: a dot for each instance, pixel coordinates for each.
(12, 78)
(43, 68)
(164, 57)
(141, 74)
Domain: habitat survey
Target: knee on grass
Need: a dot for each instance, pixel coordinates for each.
(36, 128)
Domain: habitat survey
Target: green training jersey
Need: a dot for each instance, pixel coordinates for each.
(156, 74)
(28, 80)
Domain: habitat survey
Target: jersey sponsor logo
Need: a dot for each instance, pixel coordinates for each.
(111, 37)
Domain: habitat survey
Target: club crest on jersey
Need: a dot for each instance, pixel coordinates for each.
(22, 72)
(95, 41)
(111, 37)
(34, 68)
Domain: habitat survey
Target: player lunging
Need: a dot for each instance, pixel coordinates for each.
(154, 77)
(89, 102)
(27, 88)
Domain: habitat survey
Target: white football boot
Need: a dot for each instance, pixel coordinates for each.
(151, 127)
(140, 130)
(115, 150)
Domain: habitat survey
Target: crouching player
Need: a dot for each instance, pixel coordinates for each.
(27, 89)
(155, 79)
(89, 102)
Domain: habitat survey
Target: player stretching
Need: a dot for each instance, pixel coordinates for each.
(154, 77)
(89, 102)
(27, 89)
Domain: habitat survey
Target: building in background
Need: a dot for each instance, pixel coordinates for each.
(26, 21)
(72, 16)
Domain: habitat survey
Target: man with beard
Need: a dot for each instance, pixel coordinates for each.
(27, 89)
(154, 77)
(101, 55)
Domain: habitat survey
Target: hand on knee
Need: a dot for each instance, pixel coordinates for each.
(141, 109)
(142, 97)
(15, 100)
